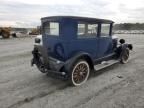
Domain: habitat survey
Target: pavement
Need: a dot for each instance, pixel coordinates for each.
(23, 86)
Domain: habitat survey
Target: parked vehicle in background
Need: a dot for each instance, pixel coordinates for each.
(5, 32)
(35, 31)
(71, 47)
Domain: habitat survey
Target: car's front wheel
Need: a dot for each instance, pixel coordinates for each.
(79, 73)
(125, 56)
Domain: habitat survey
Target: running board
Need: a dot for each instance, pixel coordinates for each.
(105, 64)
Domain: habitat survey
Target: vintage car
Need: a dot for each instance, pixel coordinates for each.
(70, 47)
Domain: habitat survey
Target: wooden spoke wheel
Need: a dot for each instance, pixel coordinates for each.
(80, 73)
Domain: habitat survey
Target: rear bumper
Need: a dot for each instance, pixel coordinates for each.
(54, 69)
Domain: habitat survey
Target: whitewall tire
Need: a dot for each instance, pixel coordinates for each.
(80, 73)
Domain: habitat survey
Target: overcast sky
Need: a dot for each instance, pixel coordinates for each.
(27, 13)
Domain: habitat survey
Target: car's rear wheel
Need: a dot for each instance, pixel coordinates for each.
(125, 56)
(80, 73)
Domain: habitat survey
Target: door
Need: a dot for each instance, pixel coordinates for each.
(86, 39)
(105, 43)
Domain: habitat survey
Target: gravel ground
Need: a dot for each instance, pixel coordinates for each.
(23, 86)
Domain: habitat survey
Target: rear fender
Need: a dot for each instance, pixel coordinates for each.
(70, 62)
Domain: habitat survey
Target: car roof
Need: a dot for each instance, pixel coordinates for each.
(79, 18)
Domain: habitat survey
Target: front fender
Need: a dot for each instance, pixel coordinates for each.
(122, 47)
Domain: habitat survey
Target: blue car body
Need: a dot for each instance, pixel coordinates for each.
(67, 43)
(65, 39)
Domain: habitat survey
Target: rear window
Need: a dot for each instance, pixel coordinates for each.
(51, 28)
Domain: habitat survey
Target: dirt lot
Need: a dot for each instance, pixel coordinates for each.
(23, 86)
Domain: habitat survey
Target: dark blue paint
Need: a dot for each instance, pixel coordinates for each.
(66, 45)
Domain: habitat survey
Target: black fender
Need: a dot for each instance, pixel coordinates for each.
(130, 46)
(82, 55)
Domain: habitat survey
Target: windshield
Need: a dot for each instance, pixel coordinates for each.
(51, 28)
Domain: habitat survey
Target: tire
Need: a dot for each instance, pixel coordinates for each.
(79, 73)
(124, 56)
(40, 63)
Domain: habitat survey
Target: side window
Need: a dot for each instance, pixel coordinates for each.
(92, 29)
(81, 29)
(51, 28)
(105, 30)
(86, 30)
